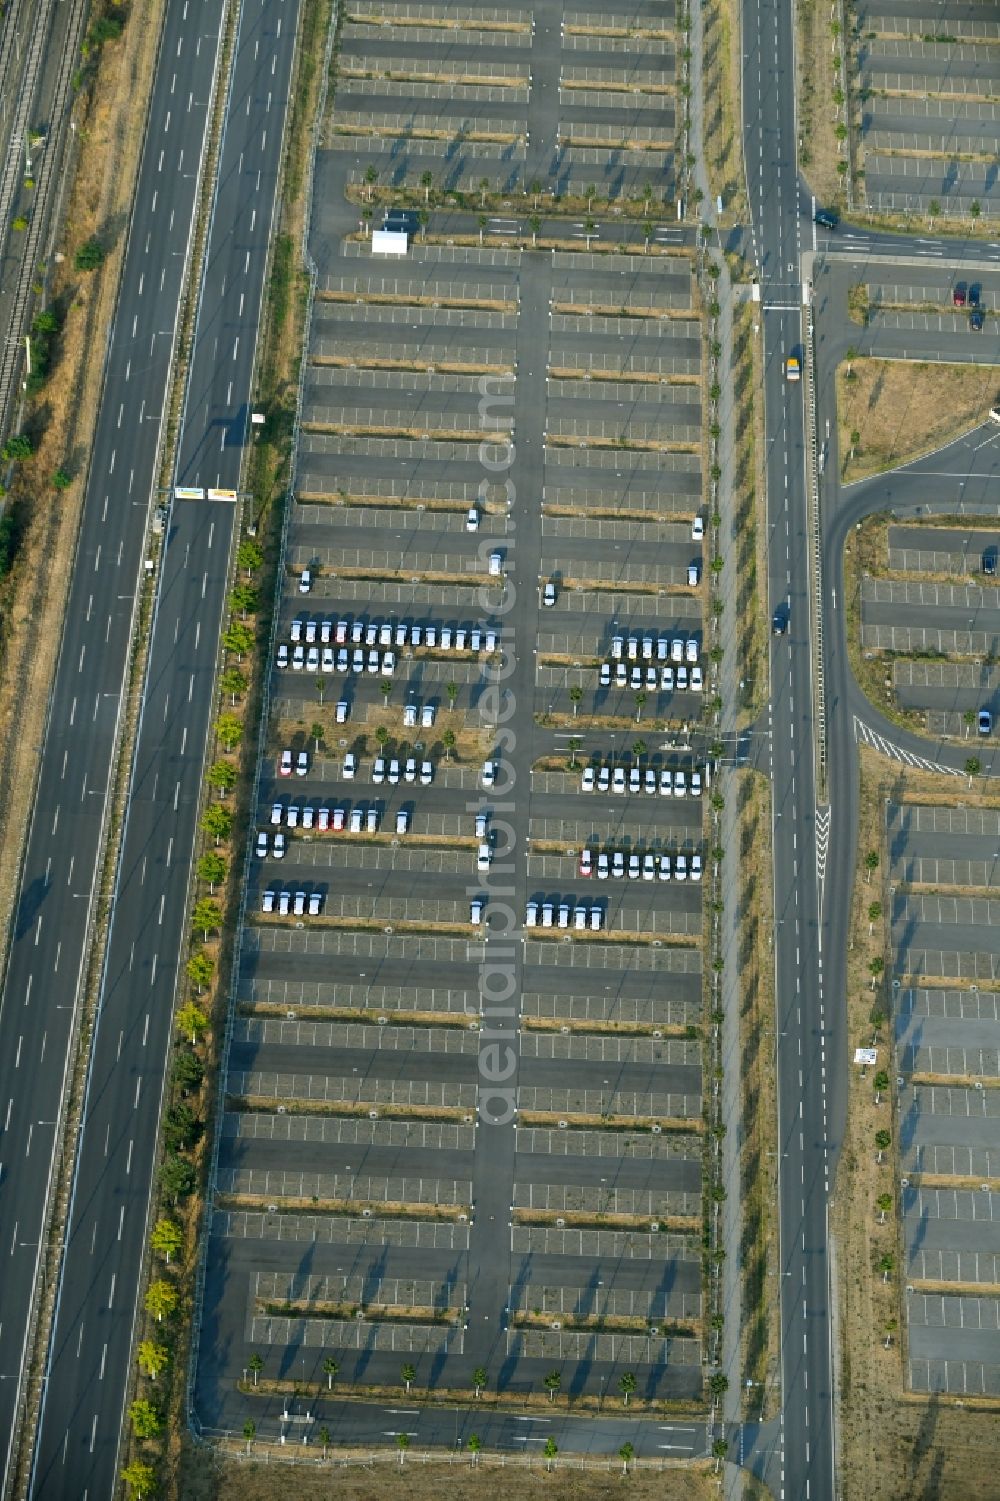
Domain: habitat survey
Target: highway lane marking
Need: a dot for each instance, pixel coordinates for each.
(121, 1220)
(93, 1433)
(128, 1164)
(104, 1356)
(55, 967)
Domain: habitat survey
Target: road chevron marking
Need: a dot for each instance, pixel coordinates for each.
(822, 840)
(864, 733)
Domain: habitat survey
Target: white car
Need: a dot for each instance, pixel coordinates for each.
(338, 821)
(667, 679)
(358, 660)
(651, 678)
(472, 519)
(483, 857)
(315, 903)
(343, 709)
(605, 676)
(476, 912)
(322, 819)
(495, 564)
(603, 778)
(634, 779)
(664, 869)
(531, 915)
(416, 635)
(562, 917)
(282, 658)
(402, 822)
(308, 816)
(636, 676)
(603, 867)
(677, 649)
(394, 773)
(326, 631)
(482, 820)
(267, 902)
(461, 637)
(385, 634)
(579, 917)
(402, 633)
(621, 675)
(618, 780)
(277, 814)
(697, 679)
(662, 648)
(586, 863)
(649, 782)
(371, 820)
(378, 771)
(410, 770)
(682, 678)
(680, 867)
(691, 650)
(305, 581)
(489, 773)
(427, 716)
(698, 529)
(475, 639)
(312, 659)
(426, 773)
(666, 784)
(340, 633)
(298, 657)
(634, 867)
(285, 764)
(680, 784)
(696, 867)
(632, 648)
(299, 904)
(694, 575)
(431, 636)
(617, 647)
(328, 658)
(371, 633)
(596, 919)
(310, 628)
(293, 815)
(350, 765)
(343, 659)
(695, 782)
(446, 635)
(284, 902)
(647, 648)
(374, 660)
(587, 779)
(357, 820)
(262, 843)
(279, 847)
(649, 867)
(548, 914)
(296, 630)
(491, 640)
(357, 632)
(549, 594)
(302, 763)
(409, 716)
(618, 865)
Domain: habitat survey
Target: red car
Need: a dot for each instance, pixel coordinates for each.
(586, 863)
(285, 764)
(960, 293)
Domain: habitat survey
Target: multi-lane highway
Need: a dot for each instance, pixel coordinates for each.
(58, 889)
(90, 1355)
(810, 1033)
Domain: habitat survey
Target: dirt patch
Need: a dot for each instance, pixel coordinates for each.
(817, 51)
(892, 411)
(722, 132)
(894, 1444)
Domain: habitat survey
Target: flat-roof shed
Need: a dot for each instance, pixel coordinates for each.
(389, 242)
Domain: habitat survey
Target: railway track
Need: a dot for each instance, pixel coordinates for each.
(45, 176)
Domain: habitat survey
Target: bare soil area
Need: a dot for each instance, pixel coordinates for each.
(891, 411)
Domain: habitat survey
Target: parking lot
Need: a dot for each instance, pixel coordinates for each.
(947, 1039)
(937, 619)
(930, 117)
(464, 1092)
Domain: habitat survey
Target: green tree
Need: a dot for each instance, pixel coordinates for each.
(639, 748)
(718, 1384)
(484, 187)
(534, 224)
(451, 689)
(972, 767)
(187, 1071)
(871, 864)
(238, 639)
(324, 1437)
(207, 916)
(480, 1376)
(181, 1126)
(883, 1204)
(233, 683)
(719, 1451)
(975, 208)
(575, 695)
(177, 1177)
(550, 1451)
(552, 1383)
(166, 1239)
(316, 733)
(222, 776)
(640, 699)
(243, 599)
(249, 555)
(448, 741)
(200, 969)
(427, 182)
(145, 1419)
(217, 821)
(887, 1265)
(191, 1022)
(647, 235)
(407, 1374)
(89, 255)
(330, 1369)
(385, 688)
(61, 479)
(535, 189)
(140, 1479)
(402, 1444)
(883, 1141)
(212, 868)
(880, 1083)
(626, 1453)
(152, 1358)
(590, 193)
(874, 913)
(483, 221)
(161, 1299)
(474, 1445)
(371, 178)
(18, 447)
(875, 968)
(256, 1365)
(626, 1385)
(249, 1433)
(934, 209)
(320, 689)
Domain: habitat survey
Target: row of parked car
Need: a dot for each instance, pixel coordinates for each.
(324, 820)
(636, 779)
(324, 631)
(655, 648)
(557, 915)
(327, 659)
(658, 680)
(650, 866)
(292, 903)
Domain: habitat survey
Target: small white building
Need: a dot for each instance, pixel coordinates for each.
(389, 242)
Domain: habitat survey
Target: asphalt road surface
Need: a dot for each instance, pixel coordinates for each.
(90, 1358)
(60, 871)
